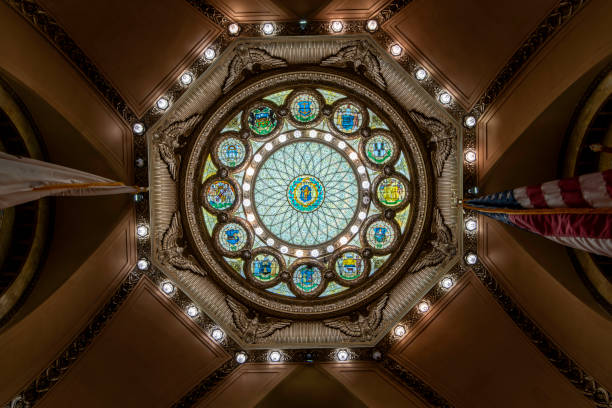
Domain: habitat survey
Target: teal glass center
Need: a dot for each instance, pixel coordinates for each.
(305, 193)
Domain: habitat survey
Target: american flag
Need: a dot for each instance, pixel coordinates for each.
(576, 212)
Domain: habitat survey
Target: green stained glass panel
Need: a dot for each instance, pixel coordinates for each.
(278, 97)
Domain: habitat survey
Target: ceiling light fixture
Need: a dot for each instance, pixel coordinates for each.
(423, 307)
(471, 258)
(167, 288)
(192, 311)
(162, 103)
(372, 25)
(142, 231)
(143, 264)
(138, 128)
(447, 282)
(217, 334)
(210, 54)
(421, 74)
(241, 357)
(470, 156)
(445, 98)
(471, 225)
(275, 356)
(342, 355)
(233, 29)
(186, 78)
(399, 331)
(337, 26)
(469, 121)
(268, 28)
(396, 50)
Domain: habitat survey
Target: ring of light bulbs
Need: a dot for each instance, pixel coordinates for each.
(420, 74)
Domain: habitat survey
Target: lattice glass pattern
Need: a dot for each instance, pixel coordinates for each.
(275, 208)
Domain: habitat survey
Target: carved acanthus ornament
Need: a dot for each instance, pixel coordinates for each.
(171, 253)
(253, 328)
(171, 139)
(365, 326)
(249, 60)
(360, 57)
(441, 135)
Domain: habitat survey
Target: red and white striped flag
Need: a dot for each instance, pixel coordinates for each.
(576, 212)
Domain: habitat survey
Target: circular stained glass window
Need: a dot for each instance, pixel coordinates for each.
(262, 120)
(231, 152)
(232, 237)
(311, 192)
(379, 149)
(391, 192)
(307, 278)
(265, 267)
(350, 266)
(348, 118)
(220, 195)
(305, 107)
(380, 235)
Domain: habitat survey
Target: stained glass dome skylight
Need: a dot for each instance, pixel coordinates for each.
(305, 192)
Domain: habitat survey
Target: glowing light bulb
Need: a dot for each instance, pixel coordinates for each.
(337, 26)
(268, 28)
(162, 103)
(241, 357)
(423, 307)
(186, 78)
(192, 311)
(399, 331)
(396, 50)
(445, 98)
(420, 74)
(138, 128)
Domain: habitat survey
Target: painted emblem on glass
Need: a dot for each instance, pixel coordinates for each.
(306, 193)
(232, 237)
(348, 118)
(391, 192)
(262, 120)
(265, 267)
(231, 152)
(349, 266)
(220, 195)
(380, 235)
(307, 277)
(379, 149)
(305, 108)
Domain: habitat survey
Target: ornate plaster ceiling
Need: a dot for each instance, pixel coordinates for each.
(188, 249)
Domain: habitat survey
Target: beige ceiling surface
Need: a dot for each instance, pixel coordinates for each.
(466, 43)
(141, 46)
(149, 355)
(476, 356)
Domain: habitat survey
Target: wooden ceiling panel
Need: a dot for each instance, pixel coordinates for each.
(465, 44)
(148, 355)
(351, 9)
(246, 386)
(373, 385)
(141, 47)
(475, 356)
(244, 11)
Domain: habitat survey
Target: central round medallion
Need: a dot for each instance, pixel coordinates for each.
(306, 193)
